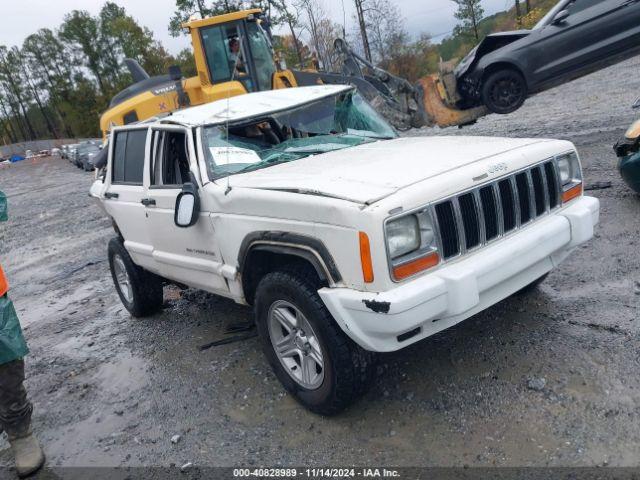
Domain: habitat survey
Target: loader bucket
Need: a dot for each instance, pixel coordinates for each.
(438, 112)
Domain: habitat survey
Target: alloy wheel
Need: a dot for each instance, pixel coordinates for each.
(296, 344)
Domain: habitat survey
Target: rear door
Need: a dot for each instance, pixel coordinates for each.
(125, 190)
(594, 31)
(188, 255)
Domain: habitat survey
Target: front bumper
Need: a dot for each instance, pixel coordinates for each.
(462, 288)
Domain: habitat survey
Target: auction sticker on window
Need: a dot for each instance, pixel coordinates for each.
(228, 155)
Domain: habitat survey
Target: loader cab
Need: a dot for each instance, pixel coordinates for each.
(235, 47)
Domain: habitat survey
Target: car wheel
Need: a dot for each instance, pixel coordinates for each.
(311, 356)
(504, 91)
(140, 291)
(533, 285)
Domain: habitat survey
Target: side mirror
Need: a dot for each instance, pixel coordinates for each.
(561, 17)
(187, 206)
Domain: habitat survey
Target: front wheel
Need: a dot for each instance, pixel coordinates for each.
(311, 356)
(140, 291)
(504, 91)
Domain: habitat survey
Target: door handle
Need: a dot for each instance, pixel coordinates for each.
(111, 195)
(147, 201)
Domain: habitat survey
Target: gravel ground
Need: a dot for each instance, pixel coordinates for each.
(544, 379)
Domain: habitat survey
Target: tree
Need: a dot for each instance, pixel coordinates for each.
(291, 16)
(361, 13)
(470, 12)
(322, 31)
(386, 33)
(47, 58)
(186, 8)
(18, 97)
(81, 31)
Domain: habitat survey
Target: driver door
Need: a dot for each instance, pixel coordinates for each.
(592, 32)
(187, 255)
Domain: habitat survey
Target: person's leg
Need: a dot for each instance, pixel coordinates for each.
(15, 418)
(15, 408)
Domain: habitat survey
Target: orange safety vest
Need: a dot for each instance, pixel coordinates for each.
(4, 284)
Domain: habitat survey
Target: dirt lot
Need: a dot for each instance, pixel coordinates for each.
(112, 390)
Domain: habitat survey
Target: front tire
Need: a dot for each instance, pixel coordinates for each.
(504, 91)
(311, 356)
(140, 291)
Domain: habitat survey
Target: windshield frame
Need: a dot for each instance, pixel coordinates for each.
(551, 14)
(201, 139)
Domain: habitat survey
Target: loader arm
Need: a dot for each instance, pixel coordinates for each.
(428, 103)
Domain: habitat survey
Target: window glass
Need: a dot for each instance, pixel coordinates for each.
(262, 58)
(118, 156)
(128, 156)
(134, 157)
(224, 51)
(171, 165)
(332, 123)
(580, 5)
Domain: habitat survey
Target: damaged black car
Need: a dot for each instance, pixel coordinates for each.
(575, 38)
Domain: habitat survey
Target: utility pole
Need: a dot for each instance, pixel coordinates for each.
(518, 13)
(363, 29)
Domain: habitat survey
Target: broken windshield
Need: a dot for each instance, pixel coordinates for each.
(332, 123)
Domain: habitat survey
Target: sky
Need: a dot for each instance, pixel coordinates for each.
(21, 18)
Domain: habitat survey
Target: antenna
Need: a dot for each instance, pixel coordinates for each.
(233, 75)
(344, 22)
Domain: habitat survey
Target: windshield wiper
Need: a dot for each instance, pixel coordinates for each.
(266, 163)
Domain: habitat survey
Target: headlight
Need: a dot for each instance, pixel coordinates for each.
(570, 175)
(634, 131)
(411, 244)
(403, 236)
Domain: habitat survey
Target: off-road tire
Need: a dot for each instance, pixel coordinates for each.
(348, 369)
(146, 287)
(504, 91)
(532, 286)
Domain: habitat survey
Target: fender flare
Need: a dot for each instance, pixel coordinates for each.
(302, 246)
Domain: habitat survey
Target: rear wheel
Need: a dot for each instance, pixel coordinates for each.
(140, 291)
(311, 356)
(504, 91)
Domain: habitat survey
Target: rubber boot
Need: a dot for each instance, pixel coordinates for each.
(27, 453)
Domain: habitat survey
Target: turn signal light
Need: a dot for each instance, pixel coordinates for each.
(411, 268)
(365, 258)
(572, 193)
(4, 284)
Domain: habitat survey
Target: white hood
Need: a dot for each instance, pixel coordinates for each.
(370, 172)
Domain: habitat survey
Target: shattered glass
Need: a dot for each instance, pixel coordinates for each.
(333, 123)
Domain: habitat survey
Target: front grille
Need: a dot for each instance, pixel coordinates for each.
(476, 217)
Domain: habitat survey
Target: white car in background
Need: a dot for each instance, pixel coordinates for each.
(345, 239)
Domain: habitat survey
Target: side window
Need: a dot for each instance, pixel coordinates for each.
(580, 5)
(128, 156)
(171, 159)
(225, 54)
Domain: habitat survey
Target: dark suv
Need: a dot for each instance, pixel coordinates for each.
(575, 38)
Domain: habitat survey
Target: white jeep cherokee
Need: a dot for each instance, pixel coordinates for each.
(346, 239)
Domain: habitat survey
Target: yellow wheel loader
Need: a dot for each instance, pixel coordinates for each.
(234, 55)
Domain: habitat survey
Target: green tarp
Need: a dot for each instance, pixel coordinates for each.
(12, 344)
(3, 208)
